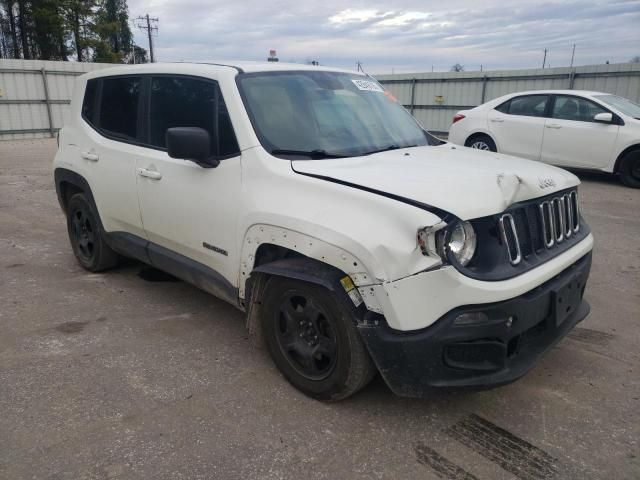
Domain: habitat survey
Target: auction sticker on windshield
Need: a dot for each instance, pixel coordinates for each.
(367, 85)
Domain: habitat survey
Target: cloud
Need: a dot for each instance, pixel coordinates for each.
(413, 35)
(354, 16)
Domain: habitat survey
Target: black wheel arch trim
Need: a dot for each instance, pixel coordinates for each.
(310, 270)
(63, 175)
(305, 269)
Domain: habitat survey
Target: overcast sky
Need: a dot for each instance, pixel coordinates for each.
(403, 35)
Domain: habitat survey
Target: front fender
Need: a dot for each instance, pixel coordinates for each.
(361, 272)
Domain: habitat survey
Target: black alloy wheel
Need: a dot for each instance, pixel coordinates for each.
(306, 336)
(85, 236)
(312, 337)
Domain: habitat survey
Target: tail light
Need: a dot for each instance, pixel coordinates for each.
(457, 117)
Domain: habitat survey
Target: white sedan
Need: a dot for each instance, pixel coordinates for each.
(569, 128)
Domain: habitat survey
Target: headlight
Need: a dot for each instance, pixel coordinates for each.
(460, 240)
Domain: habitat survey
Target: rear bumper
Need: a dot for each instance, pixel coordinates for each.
(515, 333)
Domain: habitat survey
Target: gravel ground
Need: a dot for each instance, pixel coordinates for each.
(129, 374)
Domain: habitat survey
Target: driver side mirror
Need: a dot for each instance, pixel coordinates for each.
(605, 117)
(190, 143)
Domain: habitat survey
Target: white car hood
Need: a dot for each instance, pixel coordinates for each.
(466, 182)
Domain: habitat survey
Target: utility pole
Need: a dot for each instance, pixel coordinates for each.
(573, 52)
(544, 60)
(146, 25)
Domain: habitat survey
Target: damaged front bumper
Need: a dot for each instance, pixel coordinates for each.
(506, 341)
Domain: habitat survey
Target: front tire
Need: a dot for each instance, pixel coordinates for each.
(630, 169)
(481, 142)
(313, 340)
(86, 238)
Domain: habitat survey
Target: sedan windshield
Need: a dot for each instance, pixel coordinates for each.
(316, 114)
(625, 105)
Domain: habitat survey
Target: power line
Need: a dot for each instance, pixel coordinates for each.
(146, 24)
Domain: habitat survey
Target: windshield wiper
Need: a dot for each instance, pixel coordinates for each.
(313, 154)
(389, 147)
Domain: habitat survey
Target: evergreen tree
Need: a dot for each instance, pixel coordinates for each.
(95, 30)
(48, 30)
(114, 37)
(78, 15)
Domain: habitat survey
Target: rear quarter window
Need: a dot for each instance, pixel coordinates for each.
(89, 102)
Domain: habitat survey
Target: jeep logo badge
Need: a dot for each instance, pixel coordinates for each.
(546, 183)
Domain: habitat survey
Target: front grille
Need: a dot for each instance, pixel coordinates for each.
(539, 225)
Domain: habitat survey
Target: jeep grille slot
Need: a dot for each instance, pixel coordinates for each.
(575, 213)
(537, 226)
(510, 238)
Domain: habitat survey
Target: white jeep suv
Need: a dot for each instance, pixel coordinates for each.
(310, 199)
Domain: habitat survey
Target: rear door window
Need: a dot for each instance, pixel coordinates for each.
(528, 105)
(119, 106)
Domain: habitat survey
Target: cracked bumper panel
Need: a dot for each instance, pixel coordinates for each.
(415, 302)
(506, 341)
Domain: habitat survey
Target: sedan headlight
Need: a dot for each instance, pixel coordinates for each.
(459, 239)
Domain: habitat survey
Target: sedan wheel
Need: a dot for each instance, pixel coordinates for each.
(480, 145)
(481, 142)
(630, 169)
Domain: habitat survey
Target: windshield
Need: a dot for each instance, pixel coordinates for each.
(625, 105)
(319, 114)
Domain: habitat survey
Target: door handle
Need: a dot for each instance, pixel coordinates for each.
(152, 174)
(553, 125)
(92, 157)
(497, 120)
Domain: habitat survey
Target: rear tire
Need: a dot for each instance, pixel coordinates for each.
(630, 169)
(481, 142)
(313, 340)
(86, 236)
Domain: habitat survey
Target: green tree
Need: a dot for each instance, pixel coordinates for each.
(78, 15)
(48, 30)
(95, 30)
(114, 39)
